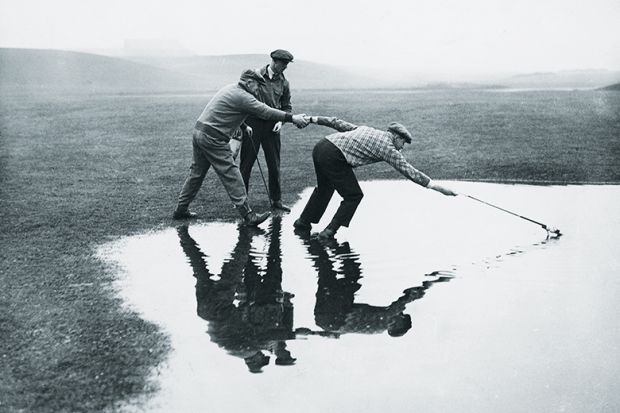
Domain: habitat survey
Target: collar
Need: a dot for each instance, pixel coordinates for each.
(270, 72)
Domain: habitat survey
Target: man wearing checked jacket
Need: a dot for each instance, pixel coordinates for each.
(337, 154)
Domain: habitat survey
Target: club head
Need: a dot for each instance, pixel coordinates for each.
(553, 232)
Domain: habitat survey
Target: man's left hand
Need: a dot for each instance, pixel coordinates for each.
(249, 131)
(277, 127)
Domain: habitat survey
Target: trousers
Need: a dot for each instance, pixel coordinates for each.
(264, 137)
(333, 173)
(209, 151)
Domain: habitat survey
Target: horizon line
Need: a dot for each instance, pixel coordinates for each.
(117, 53)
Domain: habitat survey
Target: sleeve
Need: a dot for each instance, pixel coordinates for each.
(237, 134)
(285, 99)
(398, 162)
(254, 107)
(335, 123)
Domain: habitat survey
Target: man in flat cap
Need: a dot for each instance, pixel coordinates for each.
(220, 119)
(275, 92)
(337, 154)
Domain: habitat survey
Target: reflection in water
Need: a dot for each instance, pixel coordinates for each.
(339, 274)
(247, 311)
(251, 316)
(545, 336)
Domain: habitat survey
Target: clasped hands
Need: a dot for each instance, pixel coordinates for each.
(301, 121)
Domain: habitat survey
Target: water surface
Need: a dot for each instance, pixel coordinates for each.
(425, 303)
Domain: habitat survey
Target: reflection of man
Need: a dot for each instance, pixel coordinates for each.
(247, 311)
(336, 310)
(337, 154)
(220, 119)
(275, 92)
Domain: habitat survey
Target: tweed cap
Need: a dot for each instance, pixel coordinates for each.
(250, 74)
(280, 54)
(401, 131)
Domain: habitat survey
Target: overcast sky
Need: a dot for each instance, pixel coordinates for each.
(448, 36)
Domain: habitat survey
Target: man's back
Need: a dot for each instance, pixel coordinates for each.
(229, 107)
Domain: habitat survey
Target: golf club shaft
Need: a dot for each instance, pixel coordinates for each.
(510, 212)
(251, 138)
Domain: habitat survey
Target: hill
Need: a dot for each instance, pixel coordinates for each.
(574, 79)
(66, 71)
(309, 75)
(34, 69)
(75, 71)
(215, 71)
(615, 86)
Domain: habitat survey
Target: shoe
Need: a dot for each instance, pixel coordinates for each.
(285, 361)
(302, 225)
(280, 205)
(327, 234)
(303, 234)
(253, 219)
(184, 214)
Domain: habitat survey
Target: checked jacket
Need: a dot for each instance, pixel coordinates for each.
(363, 145)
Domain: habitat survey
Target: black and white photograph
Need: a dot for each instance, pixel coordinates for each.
(317, 206)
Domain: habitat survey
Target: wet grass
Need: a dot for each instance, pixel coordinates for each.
(79, 170)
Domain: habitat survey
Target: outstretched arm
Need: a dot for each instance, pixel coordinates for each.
(399, 162)
(415, 293)
(253, 106)
(332, 122)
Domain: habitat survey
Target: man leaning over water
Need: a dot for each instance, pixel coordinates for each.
(337, 154)
(219, 120)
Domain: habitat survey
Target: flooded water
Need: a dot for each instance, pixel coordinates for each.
(426, 303)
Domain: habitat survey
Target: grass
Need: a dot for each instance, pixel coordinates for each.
(76, 171)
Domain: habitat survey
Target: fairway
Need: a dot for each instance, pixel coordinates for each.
(79, 170)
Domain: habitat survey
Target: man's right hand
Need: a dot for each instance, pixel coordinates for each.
(442, 189)
(300, 121)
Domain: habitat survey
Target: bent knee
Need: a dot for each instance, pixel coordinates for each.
(356, 197)
(197, 171)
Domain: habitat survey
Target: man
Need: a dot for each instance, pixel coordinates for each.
(337, 154)
(275, 92)
(247, 311)
(339, 279)
(219, 120)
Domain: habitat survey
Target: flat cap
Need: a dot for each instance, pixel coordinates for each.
(280, 54)
(250, 74)
(401, 131)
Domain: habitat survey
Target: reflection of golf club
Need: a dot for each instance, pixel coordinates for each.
(549, 229)
(261, 170)
(304, 331)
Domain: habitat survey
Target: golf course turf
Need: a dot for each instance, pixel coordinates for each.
(79, 170)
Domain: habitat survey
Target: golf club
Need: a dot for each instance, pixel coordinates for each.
(549, 229)
(261, 170)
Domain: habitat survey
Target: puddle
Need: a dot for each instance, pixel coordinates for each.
(425, 303)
